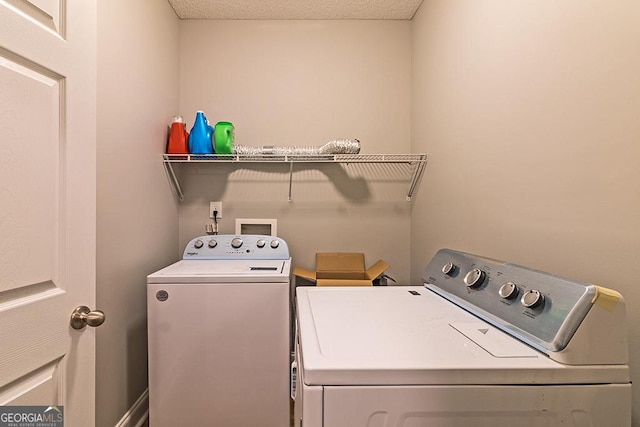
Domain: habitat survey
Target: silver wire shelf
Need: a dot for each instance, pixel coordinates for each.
(416, 161)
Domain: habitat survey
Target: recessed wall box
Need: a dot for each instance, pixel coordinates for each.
(265, 227)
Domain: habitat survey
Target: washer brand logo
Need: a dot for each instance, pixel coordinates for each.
(162, 295)
(31, 416)
(192, 253)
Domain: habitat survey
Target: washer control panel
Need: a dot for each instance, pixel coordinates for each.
(539, 308)
(232, 246)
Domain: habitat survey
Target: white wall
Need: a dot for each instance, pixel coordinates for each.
(529, 112)
(137, 221)
(303, 83)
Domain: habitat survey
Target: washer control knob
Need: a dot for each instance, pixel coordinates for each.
(260, 243)
(508, 291)
(236, 243)
(532, 299)
(212, 243)
(198, 244)
(275, 244)
(474, 278)
(449, 268)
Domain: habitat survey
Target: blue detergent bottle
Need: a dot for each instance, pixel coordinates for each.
(200, 141)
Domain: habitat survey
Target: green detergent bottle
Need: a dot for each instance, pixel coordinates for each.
(223, 134)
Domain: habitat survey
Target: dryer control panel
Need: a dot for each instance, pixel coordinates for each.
(544, 310)
(236, 246)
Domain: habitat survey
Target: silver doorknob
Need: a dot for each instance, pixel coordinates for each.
(83, 316)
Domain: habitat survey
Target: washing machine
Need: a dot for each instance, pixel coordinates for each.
(218, 331)
(482, 344)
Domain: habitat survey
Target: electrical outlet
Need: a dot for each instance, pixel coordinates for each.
(215, 206)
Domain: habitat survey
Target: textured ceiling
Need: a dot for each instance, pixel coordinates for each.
(295, 9)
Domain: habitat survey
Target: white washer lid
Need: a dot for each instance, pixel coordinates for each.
(227, 271)
(409, 335)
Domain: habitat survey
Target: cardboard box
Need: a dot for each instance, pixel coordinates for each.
(341, 269)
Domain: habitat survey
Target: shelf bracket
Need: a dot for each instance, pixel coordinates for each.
(174, 179)
(417, 176)
(290, 179)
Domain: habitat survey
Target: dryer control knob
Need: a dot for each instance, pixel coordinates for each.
(449, 268)
(212, 243)
(236, 243)
(474, 278)
(532, 299)
(260, 243)
(275, 244)
(508, 290)
(198, 244)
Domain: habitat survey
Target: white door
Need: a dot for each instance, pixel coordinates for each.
(47, 204)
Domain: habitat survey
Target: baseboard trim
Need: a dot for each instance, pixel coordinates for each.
(138, 413)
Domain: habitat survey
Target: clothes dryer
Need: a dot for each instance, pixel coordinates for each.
(482, 344)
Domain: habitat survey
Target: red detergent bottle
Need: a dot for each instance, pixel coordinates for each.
(178, 137)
